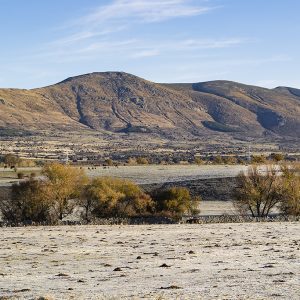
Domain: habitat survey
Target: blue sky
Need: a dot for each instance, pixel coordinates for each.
(250, 41)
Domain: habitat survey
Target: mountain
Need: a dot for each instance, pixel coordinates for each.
(117, 102)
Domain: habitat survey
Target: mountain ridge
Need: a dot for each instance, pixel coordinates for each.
(120, 103)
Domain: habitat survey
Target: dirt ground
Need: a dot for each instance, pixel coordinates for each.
(213, 261)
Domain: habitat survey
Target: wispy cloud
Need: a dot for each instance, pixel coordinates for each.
(84, 35)
(97, 29)
(144, 11)
(134, 48)
(146, 53)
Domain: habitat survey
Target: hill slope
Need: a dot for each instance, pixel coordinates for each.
(120, 102)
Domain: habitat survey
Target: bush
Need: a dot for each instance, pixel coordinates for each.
(20, 175)
(198, 161)
(218, 160)
(112, 197)
(28, 201)
(290, 195)
(142, 161)
(65, 183)
(258, 159)
(277, 157)
(175, 202)
(259, 192)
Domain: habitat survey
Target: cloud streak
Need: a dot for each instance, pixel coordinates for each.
(144, 11)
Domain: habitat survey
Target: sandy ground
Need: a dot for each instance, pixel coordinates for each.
(215, 261)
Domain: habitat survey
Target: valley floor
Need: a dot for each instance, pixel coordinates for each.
(212, 261)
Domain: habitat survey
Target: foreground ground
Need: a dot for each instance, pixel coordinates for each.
(216, 261)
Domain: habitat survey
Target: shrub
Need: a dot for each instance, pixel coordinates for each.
(258, 193)
(65, 183)
(142, 161)
(112, 197)
(277, 157)
(109, 162)
(11, 160)
(218, 160)
(175, 201)
(290, 195)
(198, 160)
(258, 159)
(28, 201)
(20, 175)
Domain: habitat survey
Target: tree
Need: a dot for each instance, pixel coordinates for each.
(65, 183)
(218, 160)
(142, 161)
(112, 197)
(11, 160)
(176, 201)
(258, 193)
(109, 162)
(290, 195)
(258, 159)
(198, 160)
(277, 157)
(230, 160)
(28, 201)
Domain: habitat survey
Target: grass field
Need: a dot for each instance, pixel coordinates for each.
(145, 174)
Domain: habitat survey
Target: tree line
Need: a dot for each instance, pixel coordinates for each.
(62, 188)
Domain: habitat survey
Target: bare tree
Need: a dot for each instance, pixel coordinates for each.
(258, 192)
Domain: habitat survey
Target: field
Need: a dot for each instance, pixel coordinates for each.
(216, 261)
(145, 174)
(168, 173)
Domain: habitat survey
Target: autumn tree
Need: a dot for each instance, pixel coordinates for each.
(218, 160)
(29, 200)
(290, 192)
(176, 201)
(11, 160)
(258, 192)
(112, 197)
(258, 159)
(142, 161)
(277, 157)
(65, 183)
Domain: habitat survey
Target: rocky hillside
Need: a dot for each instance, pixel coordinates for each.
(120, 102)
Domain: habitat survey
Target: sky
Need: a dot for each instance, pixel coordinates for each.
(249, 41)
